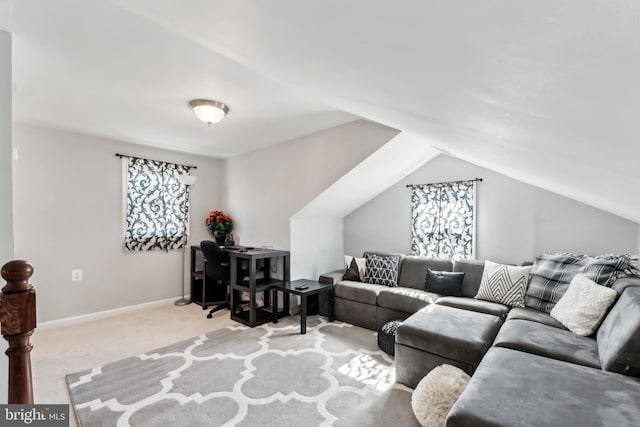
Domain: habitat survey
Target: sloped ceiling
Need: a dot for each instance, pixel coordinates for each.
(370, 177)
(546, 92)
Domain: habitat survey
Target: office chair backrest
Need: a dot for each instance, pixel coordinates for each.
(217, 261)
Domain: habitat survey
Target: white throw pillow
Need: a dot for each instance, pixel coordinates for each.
(504, 284)
(583, 305)
(360, 262)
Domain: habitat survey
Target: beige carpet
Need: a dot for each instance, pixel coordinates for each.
(63, 347)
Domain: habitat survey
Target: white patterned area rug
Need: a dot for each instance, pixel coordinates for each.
(270, 375)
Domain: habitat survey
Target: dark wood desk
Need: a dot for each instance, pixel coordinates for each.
(254, 315)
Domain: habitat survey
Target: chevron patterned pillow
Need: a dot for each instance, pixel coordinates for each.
(504, 284)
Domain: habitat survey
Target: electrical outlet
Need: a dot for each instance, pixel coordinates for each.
(76, 275)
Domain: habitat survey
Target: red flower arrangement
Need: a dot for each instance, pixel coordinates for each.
(218, 221)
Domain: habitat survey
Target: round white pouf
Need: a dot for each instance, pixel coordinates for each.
(436, 393)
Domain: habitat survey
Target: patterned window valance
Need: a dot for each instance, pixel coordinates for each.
(443, 220)
(156, 206)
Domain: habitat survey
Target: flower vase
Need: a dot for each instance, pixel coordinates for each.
(219, 236)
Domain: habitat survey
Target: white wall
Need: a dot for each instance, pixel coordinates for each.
(563, 224)
(6, 211)
(265, 188)
(68, 215)
(6, 197)
(515, 221)
(317, 248)
(316, 229)
(5, 15)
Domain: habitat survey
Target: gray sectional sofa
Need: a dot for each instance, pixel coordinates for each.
(527, 368)
(371, 306)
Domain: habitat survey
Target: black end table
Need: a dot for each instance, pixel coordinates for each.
(313, 288)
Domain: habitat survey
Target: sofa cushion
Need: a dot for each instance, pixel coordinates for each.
(331, 277)
(515, 389)
(405, 299)
(625, 282)
(413, 270)
(504, 284)
(455, 334)
(583, 306)
(357, 291)
(381, 269)
(551, 274)
(472, 270)
(544, 340)
(448, 283)
(534, 316)
(476, 305)
(619, 335)
(355, 313)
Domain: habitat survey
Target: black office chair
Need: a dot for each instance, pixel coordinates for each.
(216, 277)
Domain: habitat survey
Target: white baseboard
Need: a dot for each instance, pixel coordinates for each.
(74, 320)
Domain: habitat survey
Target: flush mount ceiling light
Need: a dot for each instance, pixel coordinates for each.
(209, 111)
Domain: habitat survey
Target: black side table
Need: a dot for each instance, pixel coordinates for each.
(313, 288)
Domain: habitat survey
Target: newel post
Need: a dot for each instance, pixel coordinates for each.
(18, 318)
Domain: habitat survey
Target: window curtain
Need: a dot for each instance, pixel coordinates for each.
(156, 207)
(443, 220)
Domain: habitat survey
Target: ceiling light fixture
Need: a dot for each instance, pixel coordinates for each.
(209, 111)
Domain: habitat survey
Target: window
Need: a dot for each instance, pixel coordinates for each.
(156, 205)
(443, 220)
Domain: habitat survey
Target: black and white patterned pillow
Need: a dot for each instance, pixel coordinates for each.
(552, 272)
(381, 269)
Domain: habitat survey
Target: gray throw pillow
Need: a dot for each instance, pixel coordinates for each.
(446, 283)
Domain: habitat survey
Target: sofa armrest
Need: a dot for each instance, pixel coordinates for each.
(332, 277)
(624, 282)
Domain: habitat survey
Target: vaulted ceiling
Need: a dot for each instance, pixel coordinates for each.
(544, 91)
